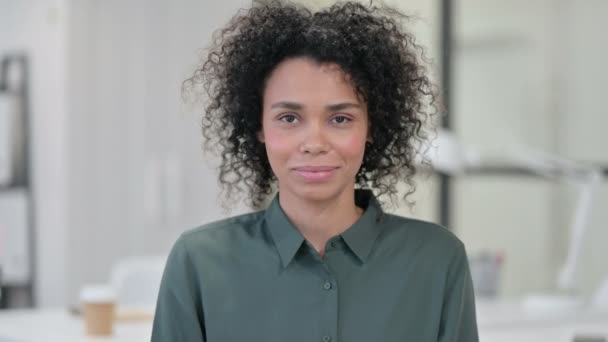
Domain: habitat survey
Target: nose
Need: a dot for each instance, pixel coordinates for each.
(314, 141)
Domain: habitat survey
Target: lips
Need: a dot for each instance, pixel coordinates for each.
(315, 168)
(315, 173)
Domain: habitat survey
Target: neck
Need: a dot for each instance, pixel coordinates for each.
(318, 221)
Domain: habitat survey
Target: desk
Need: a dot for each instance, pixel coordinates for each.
(507, 321)
(58, 325)
(551, 333)
(498, 322)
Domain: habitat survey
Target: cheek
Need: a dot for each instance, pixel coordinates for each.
(353, 146)
(277, 144)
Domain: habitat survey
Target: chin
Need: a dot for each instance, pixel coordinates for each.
(318, 192)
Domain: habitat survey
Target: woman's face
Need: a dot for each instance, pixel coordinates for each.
(314, 129)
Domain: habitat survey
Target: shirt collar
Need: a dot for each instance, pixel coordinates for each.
(360, 237)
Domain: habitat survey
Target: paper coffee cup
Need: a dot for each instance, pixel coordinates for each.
(98, 307)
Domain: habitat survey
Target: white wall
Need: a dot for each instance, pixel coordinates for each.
(140, 176)
(500, 94)
(582, 51)
(533, 74)
(38, 28)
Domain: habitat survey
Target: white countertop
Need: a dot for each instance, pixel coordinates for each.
(508, 321)
(59, 325)
(497, 321)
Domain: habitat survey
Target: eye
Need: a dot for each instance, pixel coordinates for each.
(288, 118)
(341, 119)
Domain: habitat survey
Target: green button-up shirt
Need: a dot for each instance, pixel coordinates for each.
(255, 278)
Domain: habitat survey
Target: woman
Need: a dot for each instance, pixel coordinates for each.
(329, 108)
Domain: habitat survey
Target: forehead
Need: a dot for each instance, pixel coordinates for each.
(305, 80)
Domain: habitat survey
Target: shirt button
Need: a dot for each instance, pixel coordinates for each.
(327, 285)
(332, 244)
(326, 338)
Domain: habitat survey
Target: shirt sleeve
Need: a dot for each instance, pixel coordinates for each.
(179, 313)
(458, 317)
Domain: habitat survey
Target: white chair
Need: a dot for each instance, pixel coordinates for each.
(600, 299)
(136, 281)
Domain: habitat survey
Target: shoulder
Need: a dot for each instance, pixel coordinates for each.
(224, 231)
(433, 247)
(415, 232)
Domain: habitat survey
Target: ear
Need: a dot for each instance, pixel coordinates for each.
(369, 138)
(260, 135)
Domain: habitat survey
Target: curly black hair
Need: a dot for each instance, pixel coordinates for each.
(385, 64)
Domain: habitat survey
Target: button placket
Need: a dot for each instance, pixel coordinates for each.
(329, 313)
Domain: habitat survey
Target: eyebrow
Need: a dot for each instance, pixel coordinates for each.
(299, 106)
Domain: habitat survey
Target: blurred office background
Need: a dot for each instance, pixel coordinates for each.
(115, 167)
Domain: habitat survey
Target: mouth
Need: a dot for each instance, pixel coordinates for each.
(315, 173)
